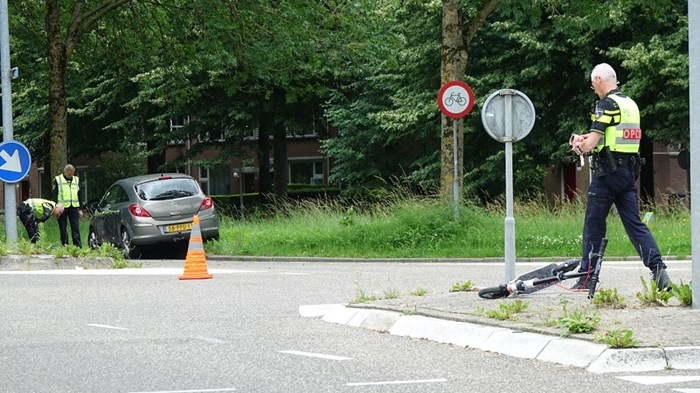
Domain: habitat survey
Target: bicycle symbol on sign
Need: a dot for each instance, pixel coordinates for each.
(455, 97)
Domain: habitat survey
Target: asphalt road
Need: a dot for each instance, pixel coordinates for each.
(143, 330)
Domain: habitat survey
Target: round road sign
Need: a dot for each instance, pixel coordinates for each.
(508, 108)
(455, 99)
(15, 161)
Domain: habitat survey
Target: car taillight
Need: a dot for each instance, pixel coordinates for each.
(207, 203)
(138, 211)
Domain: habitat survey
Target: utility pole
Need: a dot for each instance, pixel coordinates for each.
(7, 131)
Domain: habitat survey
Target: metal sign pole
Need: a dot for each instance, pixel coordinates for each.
(455, 170)
(694, 73)
(508, 116)
(7, 131)
(455, 100)
(509, 224)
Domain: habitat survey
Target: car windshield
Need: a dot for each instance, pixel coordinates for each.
(162, 189)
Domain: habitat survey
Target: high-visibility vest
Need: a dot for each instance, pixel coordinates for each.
(67, 191)
(626, 135)
(40, 206)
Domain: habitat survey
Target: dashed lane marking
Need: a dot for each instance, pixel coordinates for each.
(658, 380)
(315, 355)
(190, 391)
(439, 380)
(106, 326)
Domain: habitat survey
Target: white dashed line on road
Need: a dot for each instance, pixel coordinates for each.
(439, 380)
(316, 355)
(106, 326)
(190, 391)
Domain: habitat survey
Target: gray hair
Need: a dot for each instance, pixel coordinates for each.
(605, 72)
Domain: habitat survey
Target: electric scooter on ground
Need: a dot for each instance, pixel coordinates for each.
(549, 275)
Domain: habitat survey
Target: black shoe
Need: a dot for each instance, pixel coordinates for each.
(661, 278)
(583, 284)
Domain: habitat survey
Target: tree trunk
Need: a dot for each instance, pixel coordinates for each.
(58, 60)
(59, 50)
(279, 143)
(156, 157)
(454, 61)
(280, 160)
(456, 37)
(265, 124)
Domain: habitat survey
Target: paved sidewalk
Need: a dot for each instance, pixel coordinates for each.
(667, 336)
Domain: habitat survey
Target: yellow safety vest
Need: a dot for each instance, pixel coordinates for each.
(68, 192)
(40, 205)
(626, 135)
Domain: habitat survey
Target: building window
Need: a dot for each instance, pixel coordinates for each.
(204, 179)
(176, 124)
(219, 180)
(306, 172)
(214, 181)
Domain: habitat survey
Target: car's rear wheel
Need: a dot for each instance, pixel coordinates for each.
(93, 242)
(129, 249)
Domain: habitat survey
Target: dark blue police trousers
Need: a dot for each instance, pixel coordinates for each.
(618, 187)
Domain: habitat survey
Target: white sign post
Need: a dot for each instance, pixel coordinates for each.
(455, 100)
(508, 116)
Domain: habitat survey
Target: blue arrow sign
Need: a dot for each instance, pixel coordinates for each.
(15, 161)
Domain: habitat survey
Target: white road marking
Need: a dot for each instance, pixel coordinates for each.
(190, 391)
(106, 326)
(396, 382)
(658, 380)
(316, 355)
(687, 390)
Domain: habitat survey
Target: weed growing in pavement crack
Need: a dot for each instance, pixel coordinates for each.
(578, 320)
(466, 286)
(651, 295)
(615, 338)
(683, 292)
(608, 298)
(506, 310)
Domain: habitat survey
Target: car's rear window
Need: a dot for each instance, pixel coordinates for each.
(163, 189)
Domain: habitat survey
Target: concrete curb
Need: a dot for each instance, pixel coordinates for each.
(596, 358)
(50, 262)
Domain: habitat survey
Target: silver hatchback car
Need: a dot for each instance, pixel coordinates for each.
(151, 210)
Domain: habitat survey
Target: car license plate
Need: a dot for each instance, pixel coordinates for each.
(178, 227)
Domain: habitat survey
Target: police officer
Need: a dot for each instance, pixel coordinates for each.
(33, 211)
(65, 190)
(613, 141)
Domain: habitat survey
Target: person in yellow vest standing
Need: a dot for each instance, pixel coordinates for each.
(34, 211)
(613, 142)
(65, 190)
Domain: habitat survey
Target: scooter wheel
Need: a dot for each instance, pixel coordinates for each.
(498, 292)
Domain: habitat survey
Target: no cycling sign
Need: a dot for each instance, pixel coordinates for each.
(455, 99)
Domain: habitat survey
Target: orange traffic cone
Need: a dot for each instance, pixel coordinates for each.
(196, 261)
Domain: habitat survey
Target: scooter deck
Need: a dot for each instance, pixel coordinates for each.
(545, 272)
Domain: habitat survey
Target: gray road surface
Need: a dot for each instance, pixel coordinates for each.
(143, 330)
